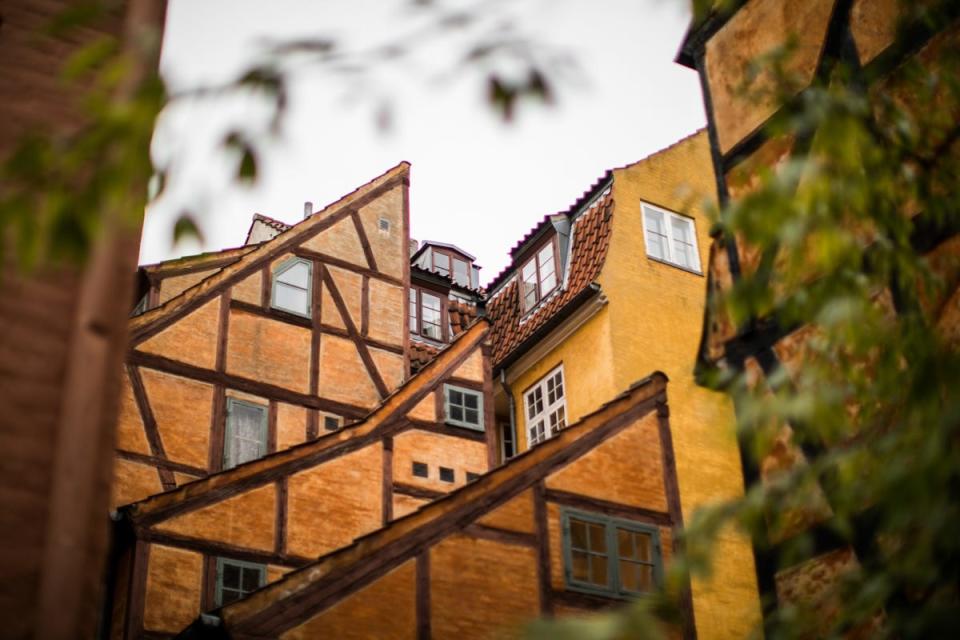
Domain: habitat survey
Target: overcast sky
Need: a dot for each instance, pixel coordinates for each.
(476, 181)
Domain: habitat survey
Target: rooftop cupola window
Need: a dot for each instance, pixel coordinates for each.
(449, 262)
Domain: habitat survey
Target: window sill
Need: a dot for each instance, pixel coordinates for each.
(675, 265)
(454, 425)
(596, 592)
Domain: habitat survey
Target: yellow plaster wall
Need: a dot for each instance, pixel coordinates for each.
(586, 356)
(656, 315)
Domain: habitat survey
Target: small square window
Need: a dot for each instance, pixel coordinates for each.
(331, 423)
(236, 579)
(463, 407)
(384, 225)
(471, 476)
(420, 470)
(446, 475)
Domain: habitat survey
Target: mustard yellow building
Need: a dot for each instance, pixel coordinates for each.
(601, 295)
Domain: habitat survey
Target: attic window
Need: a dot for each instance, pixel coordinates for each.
(670, 238)
(441, 263)
(426, 314)
(538, 276)
(463, 407)
(331, 422)
(236, 579)
(384, 225)
(291, 287)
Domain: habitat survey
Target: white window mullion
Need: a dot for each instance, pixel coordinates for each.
(546, 407)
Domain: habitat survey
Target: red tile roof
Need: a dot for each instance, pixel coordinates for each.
(591, 237)
(461, 316)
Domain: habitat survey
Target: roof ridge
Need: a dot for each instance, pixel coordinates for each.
(337, 563)
(665, 149)
(166, 311)
(217, 481)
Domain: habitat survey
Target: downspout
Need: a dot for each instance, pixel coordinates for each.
(513, 425)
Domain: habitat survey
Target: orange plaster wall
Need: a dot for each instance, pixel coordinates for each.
(175, 285)
(343, 376)
(334, 502)
(385, 609)
(182, 410)
(339, 241)
(246, 520)
(386, 324)
(268, 350)
(249, 289)
(291, 425)
(174, 582)
(133, 481)
(390, 248)
(130, 433)
(500, 601)
(191, 339)
(516, 514)
(626, 468)
(437, 451)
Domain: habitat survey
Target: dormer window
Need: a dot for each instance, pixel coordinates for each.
(441, 263)
(538, 276)
(426, 314)
(291, 287)
(461, 272)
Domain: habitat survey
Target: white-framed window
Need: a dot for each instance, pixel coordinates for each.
(538, 276)
(545, 405)
(236, 579)
(291, 287)
(463, 407)
(670, 237)
(246, 433)
(426, 316)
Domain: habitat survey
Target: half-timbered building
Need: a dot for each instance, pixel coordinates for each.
(828, 42)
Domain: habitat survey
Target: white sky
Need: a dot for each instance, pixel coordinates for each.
(476, 181)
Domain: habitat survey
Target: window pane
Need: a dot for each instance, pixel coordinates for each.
(251, 579)
(656, 234)
(529, 288)
(298, 275)
(413, 310)
(461, 272)
(597, 537)
(470, 401)
(581, 564)
(472, 416)
(578, 534)
(441, 263)
(598, 570)
(545, 258)
(644, 544)
(625, 544)
(455, 397)
(456, 413)
(646, 577)
(431, 304)
(231, 576)
(548, 283)
(247, 450)
(291, 298)
(629, 575)
(229, 595)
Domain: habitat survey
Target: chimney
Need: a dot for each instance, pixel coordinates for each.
(307, 209)
(413, 245)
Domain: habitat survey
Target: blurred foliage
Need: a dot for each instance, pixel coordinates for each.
(860, 439)
(57, 185)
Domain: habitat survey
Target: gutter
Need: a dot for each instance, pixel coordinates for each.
(513, 412)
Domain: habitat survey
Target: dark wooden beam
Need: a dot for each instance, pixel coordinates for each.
(220, 549)
(415, 491)
(246, 385)
(386, 480)
(364, 242)
(543, 548)
(165, 463)
(498, 534)
(344, 264)
(606, 507)
(280, 529)
(423, 596)
(150, 429)
(362, 349)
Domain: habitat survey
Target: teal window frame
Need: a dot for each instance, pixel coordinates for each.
(229, 454)
(278, 271)
(610, 524)
(447, 388)
(242, 565)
